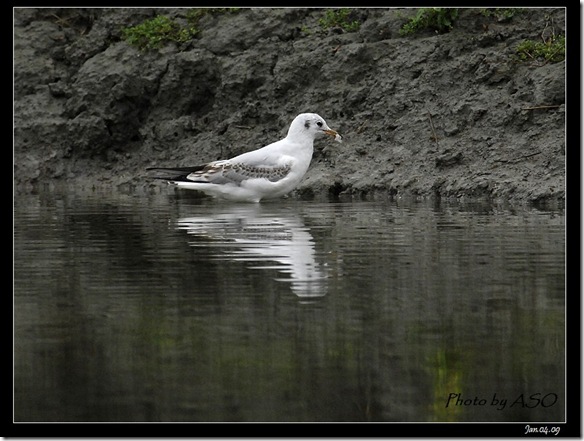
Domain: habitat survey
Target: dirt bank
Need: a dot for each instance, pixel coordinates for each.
(432, 114)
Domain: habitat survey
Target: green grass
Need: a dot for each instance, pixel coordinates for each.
(437, 19)
(503, 14)
(552, 50)
(339, 18)
(195, 14)
(153, 33)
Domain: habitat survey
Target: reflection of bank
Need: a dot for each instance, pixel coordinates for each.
(246, 234)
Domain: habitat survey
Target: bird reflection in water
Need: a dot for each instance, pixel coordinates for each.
(267, 240)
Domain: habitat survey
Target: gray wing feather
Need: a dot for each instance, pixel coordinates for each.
(222, 172)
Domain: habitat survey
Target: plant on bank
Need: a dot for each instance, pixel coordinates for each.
(195, 14)
(552, 50)
(438, 19)
(153, 33)
(339, 18)
(502, 14)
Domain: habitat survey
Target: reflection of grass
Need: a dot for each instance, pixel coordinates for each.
(447, 380)
(523, 351)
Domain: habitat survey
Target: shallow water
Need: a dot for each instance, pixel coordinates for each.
(132, 307)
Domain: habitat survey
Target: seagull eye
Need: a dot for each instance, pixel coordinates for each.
(319, 123)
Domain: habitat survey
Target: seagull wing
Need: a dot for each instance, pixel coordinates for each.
(233, 171)
(236, 172)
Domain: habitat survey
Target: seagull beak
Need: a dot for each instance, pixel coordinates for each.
(334, 134)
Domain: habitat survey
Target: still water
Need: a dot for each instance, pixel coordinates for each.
(133, 307)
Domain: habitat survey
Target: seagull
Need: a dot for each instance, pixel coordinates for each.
(267, 173)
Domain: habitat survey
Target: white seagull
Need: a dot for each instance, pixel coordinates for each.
(269, 172)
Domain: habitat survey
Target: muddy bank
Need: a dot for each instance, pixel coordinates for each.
(440, 115)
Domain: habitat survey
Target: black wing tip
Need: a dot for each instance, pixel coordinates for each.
(178, 174)
(178, 169)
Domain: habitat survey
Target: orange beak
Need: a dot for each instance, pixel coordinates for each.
(335, 135)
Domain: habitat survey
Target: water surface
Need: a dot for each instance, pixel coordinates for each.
(133, 307)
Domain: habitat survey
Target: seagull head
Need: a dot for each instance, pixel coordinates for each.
(311, 125)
